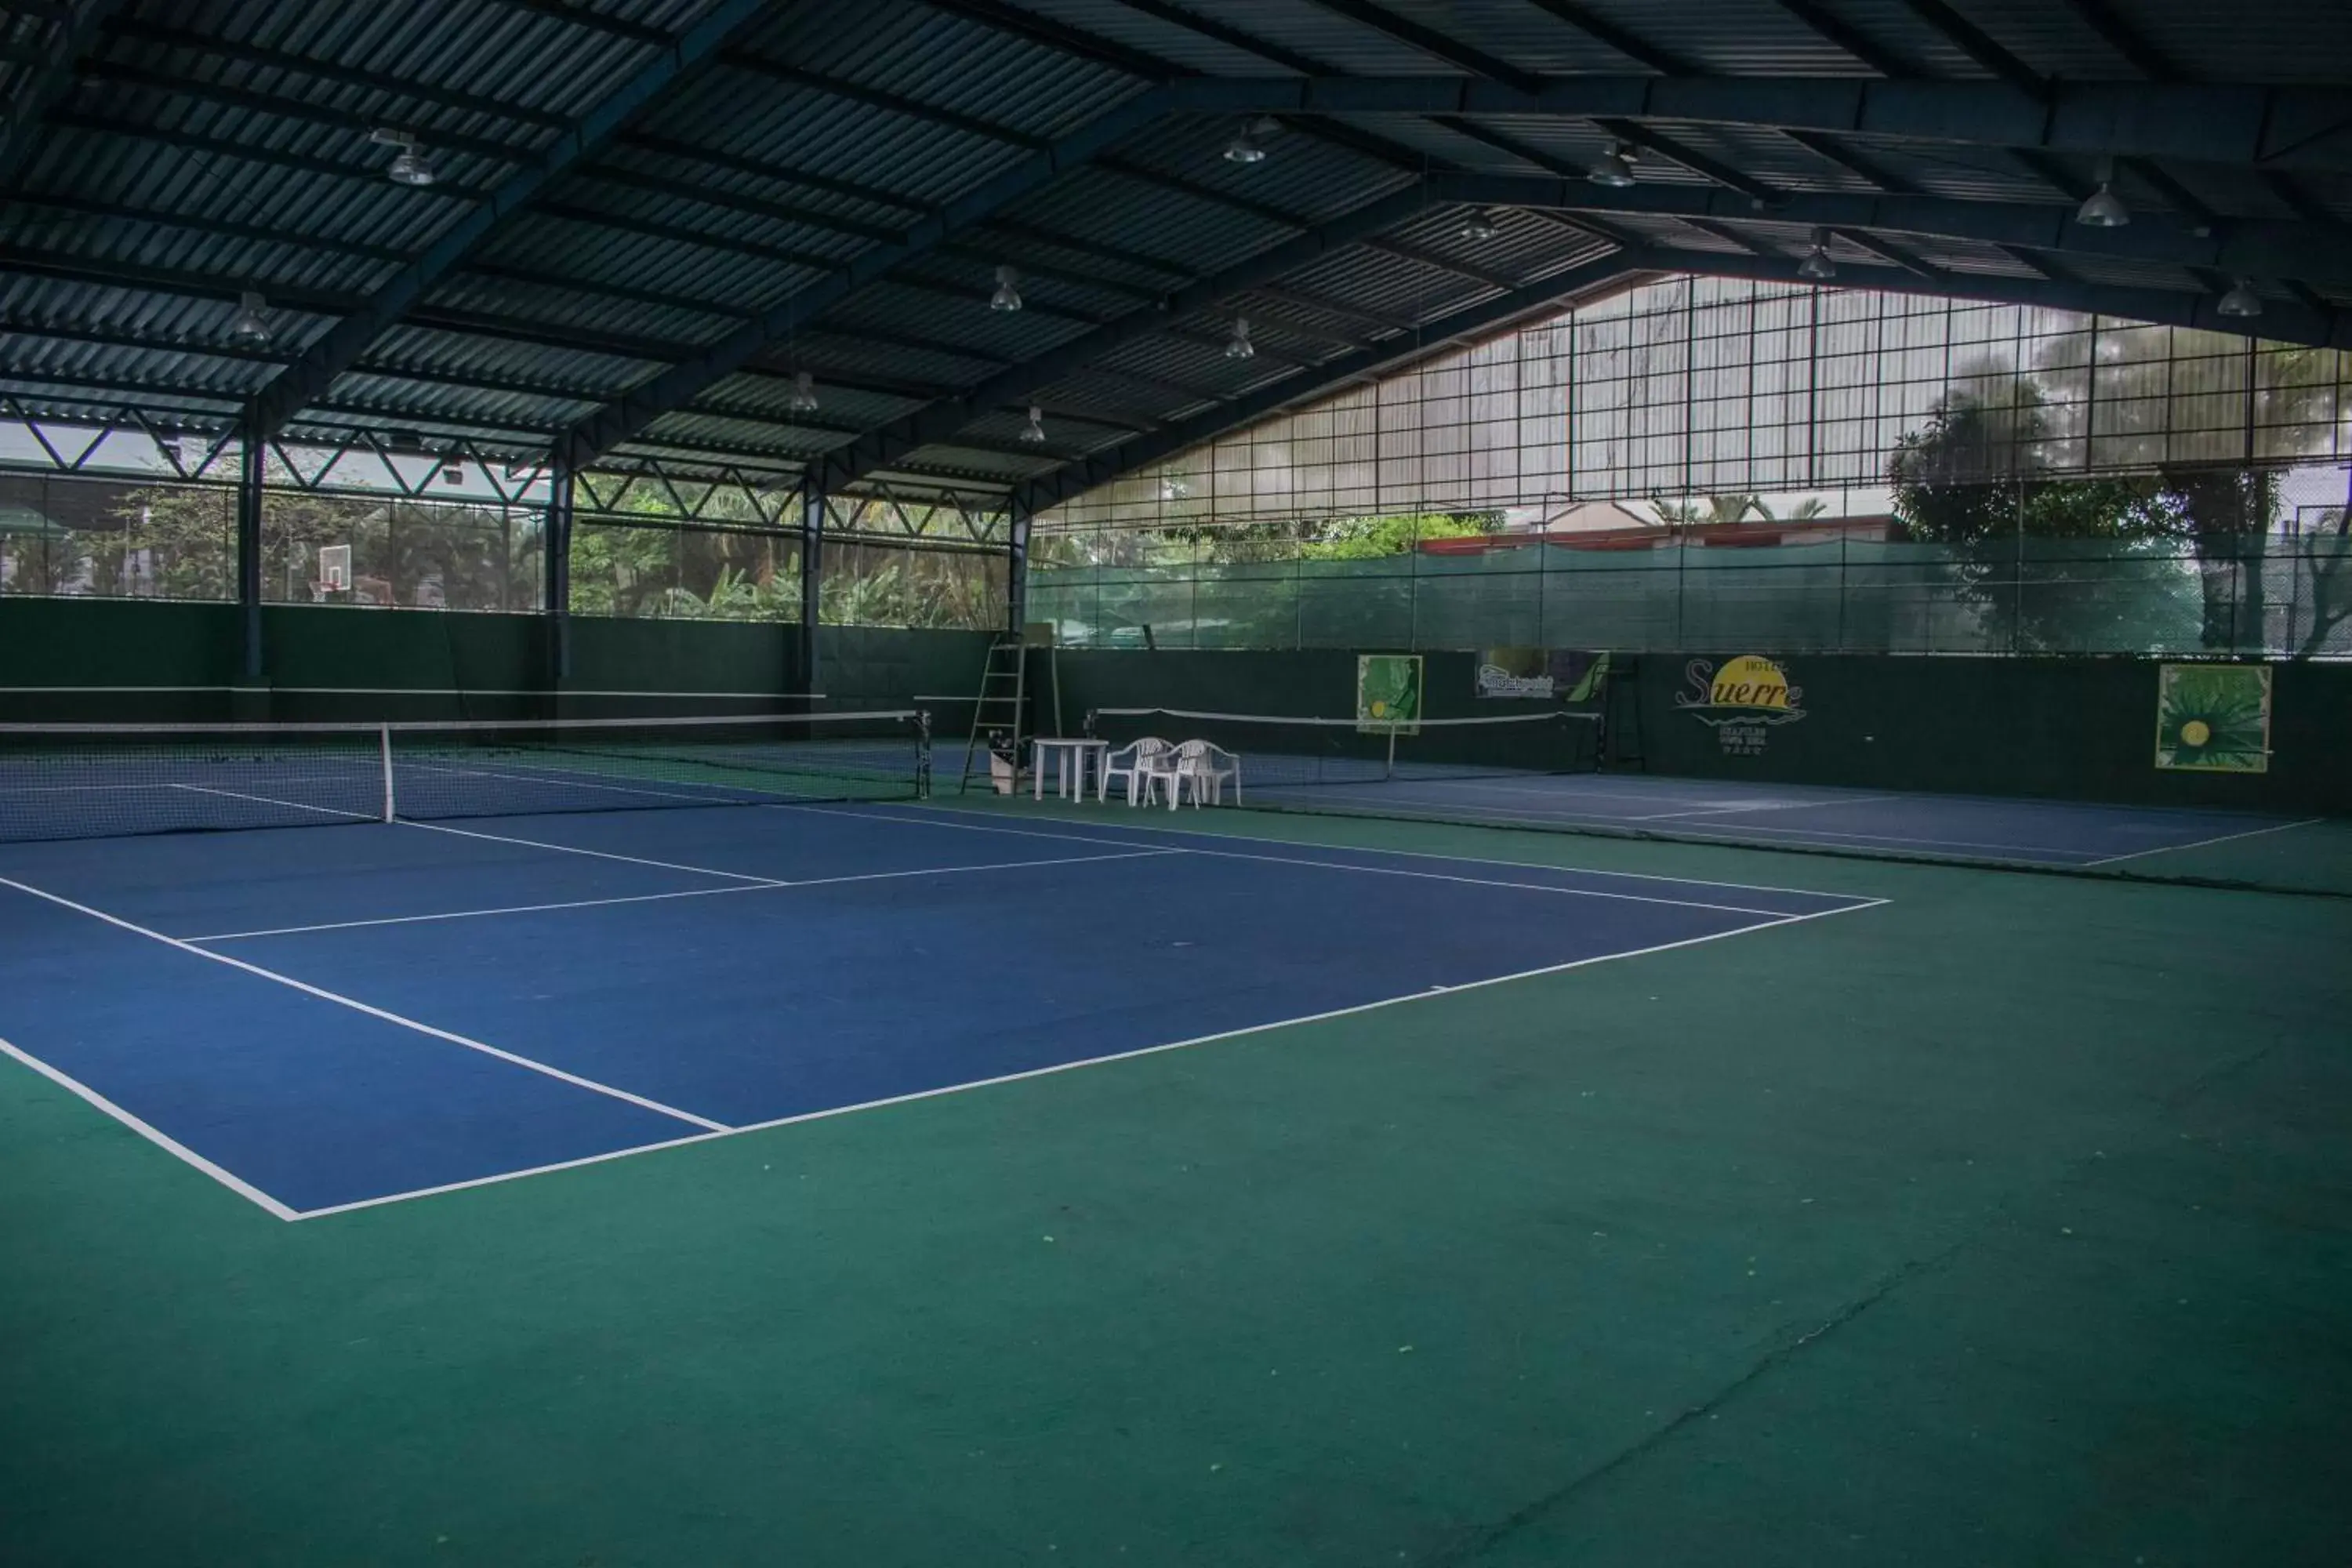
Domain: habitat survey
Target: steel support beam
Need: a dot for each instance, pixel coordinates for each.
(2164, 307)
(2279, 127)
(35, 91)
(251, 464)
(1016, 570)
(678, 385)
(555, 548)
(310, 377)
(1479, 321)
(1430, 41)
(812, 588)
(2259, 249)
(941, 420)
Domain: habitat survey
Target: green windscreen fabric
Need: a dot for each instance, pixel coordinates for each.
(1856, 594)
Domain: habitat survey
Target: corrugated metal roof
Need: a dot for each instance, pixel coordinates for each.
(877, 154)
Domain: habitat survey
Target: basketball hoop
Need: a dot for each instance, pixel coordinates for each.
(334, 570)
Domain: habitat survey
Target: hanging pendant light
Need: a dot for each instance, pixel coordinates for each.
(803, 397)
(1479, 227)
(1613, 168)
(1008, 290)
(1033, 433)
(1239, 346)
(2103, 208)
(1248, 145)
(251, 326)
(1817, 267)
(411, 166)
(2240, 302)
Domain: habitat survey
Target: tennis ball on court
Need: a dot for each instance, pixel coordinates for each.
(2196, 732)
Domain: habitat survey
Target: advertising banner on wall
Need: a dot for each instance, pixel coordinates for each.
(2213, 718)
(1565, 675)
(1743, 700)
(1387, 693)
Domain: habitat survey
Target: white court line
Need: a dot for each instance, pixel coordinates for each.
(2201, 843)
(1293, 844)
(1376, 870)
(162, 1140)
(759, 887)
(2029, 853)
(289, 805)
(575, 849)
(1056, 1067)
(373, 1011)
(474, 915)
(1764, 805)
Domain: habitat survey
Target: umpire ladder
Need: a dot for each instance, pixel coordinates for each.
(998, 710)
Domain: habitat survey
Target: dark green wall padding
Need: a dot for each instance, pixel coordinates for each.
(178, 661)
(2082, 729)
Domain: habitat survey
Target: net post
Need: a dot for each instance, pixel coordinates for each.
(383, 751)
(1390, 771)
(922, 753)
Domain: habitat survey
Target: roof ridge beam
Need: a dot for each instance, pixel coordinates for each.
(2162, 307)
(2231, 123)
(2256, 249)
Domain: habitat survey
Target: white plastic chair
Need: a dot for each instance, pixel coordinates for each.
(1142, 763)
(1201, 769)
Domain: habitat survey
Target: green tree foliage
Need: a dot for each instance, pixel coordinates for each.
(1976, 480)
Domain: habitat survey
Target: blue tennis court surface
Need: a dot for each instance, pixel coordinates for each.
(335, 1016)
(1957, 827)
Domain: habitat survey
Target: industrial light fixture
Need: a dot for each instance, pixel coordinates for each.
(2241, 300)
(803, 397)
(251, 326)
(1239, 346)
(411, 167)
(1248, 145)
(453, 472)
(1613, 168)
(2103, 208)
(1479, 227)
(1033, 433)
(1817, 267)
(1008, 290)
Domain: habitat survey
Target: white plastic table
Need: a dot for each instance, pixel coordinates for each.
(1071, 755)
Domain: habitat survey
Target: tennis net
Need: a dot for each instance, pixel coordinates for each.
(1287, 753)
(92, 781)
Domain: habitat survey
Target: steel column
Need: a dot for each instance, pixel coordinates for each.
(250, 463)
(555, 544)
(812, 586)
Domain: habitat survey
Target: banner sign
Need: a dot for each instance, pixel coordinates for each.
(1566, 675)
(1387, 693)
(1742, 702)
(2214, 718)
